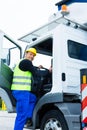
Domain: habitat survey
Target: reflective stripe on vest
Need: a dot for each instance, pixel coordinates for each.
(21, 80)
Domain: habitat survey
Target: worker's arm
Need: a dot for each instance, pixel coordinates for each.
(26, 65)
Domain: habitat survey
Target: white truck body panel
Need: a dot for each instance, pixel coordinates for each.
(63, 63)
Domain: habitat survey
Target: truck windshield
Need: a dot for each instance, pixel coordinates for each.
(43, 60)
(44, 49)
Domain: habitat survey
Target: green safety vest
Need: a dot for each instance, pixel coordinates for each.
(21, 80)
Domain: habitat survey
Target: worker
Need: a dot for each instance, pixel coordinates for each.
(21, 89)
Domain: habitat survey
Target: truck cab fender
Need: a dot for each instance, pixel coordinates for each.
(55, 97)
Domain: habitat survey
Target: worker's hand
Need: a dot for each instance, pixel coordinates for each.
(40, 67)
(50, 69)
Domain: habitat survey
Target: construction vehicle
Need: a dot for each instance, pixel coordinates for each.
(59, 102)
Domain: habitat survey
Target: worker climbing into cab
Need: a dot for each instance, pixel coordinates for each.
(22, 89)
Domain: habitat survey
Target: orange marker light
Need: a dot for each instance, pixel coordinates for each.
(64, 8)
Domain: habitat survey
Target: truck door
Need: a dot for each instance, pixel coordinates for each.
(10, 53)
(75, 58)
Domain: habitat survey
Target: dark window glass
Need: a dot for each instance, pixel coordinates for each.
(77, 50)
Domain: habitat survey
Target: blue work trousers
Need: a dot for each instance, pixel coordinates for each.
(24, 107)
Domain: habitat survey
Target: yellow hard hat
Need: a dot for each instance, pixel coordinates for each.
(33, 50)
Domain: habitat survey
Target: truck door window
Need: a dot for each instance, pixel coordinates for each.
(10, 52)
(77, 50)
(44, 49)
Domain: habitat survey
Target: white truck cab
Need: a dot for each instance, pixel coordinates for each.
(60, 107)
(59, 101)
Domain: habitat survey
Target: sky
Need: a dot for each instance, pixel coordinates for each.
(18, 17)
